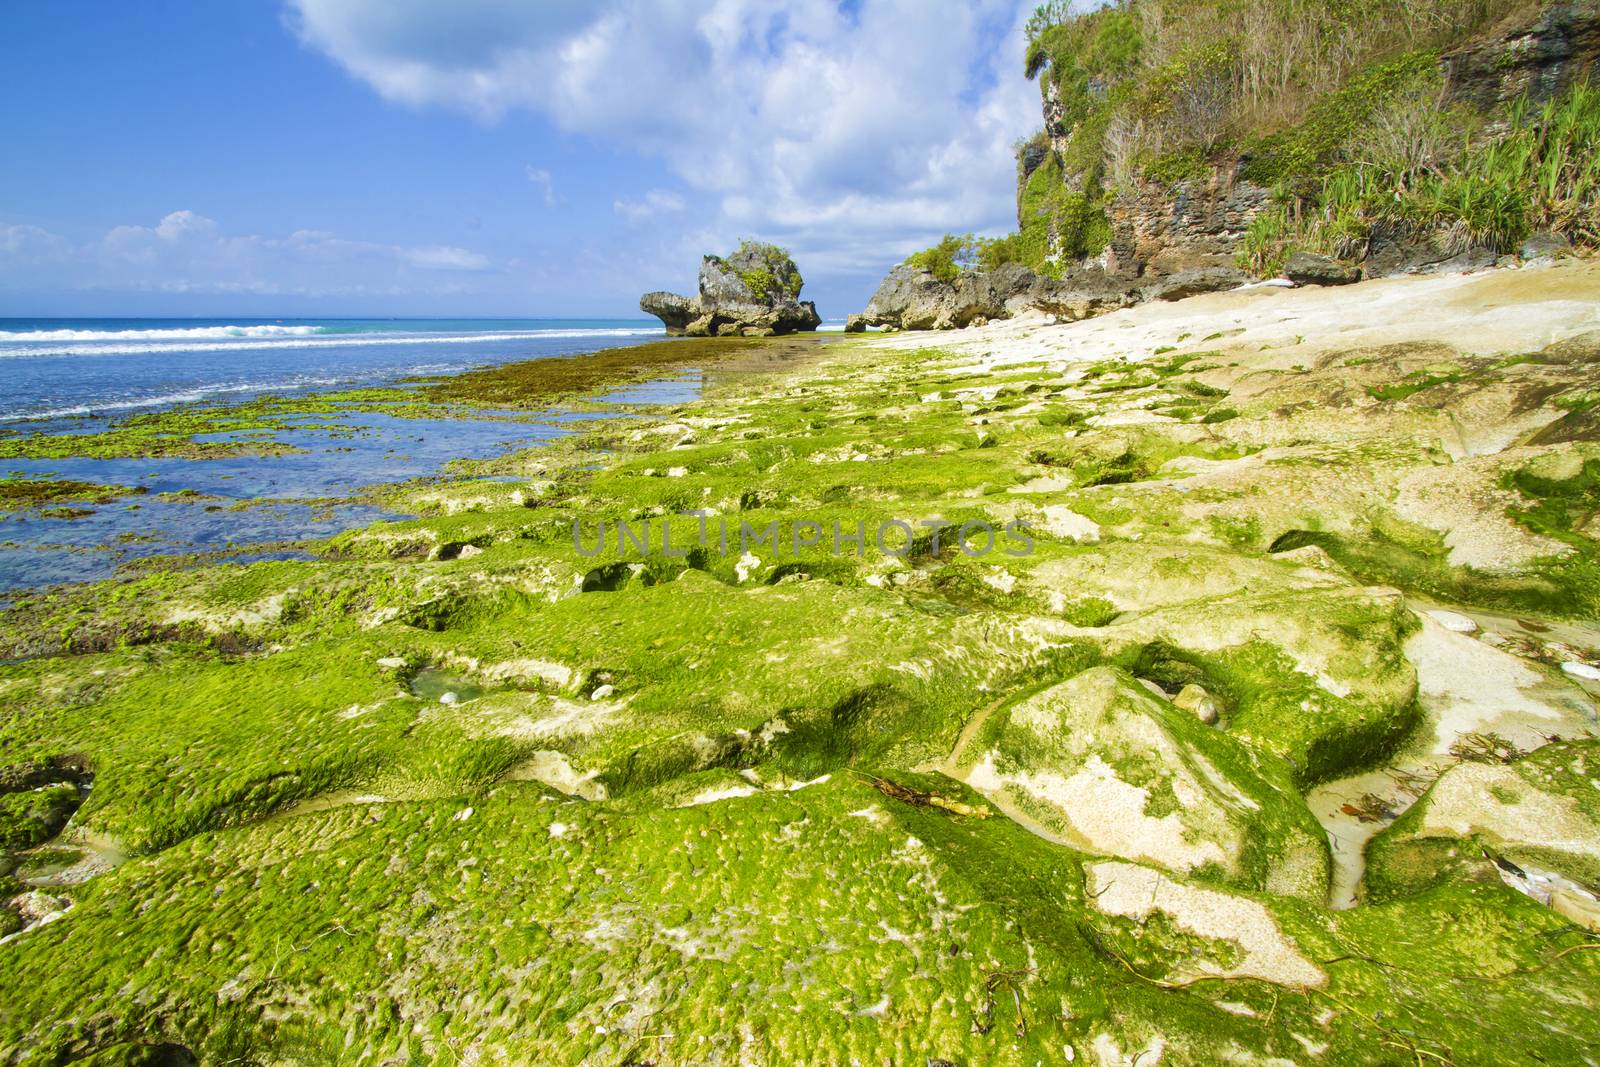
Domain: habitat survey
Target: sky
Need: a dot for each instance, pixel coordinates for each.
(489, 157)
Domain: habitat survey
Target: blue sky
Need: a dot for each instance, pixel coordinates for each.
(488, 157)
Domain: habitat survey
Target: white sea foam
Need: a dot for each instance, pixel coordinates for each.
(183, 334)
(185, 396)
(7, 351)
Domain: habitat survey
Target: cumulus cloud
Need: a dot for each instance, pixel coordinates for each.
(841, 129)
(185, 252)
(31, 243)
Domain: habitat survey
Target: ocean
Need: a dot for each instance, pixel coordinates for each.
(53, 368)
(81, 375)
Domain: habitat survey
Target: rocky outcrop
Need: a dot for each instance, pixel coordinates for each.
(675, 311)
(752, 293)
(1161, 229)
(914, 299)
(1537, 60)
(1196, 282)
(1390, 253)
(1308, 268)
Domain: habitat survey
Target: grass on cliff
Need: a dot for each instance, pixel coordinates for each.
(1168, 90)
(1541, 174)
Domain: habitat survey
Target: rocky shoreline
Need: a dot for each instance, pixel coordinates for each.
(1292, 586)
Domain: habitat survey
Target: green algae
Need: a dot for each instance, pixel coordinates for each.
(34, 816)
(540, 382)
(1533, 812)
(18, 493)
(673, 813)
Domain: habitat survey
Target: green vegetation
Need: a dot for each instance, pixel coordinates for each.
(956, 254)
(1338, 106)
(567, 804)
(1539, 174)
(33, 816)
(541, 382)
(947, 259)
(18, 493)
(768, 270)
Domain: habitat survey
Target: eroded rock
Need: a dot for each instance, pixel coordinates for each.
(1541, 812)
(755, 292)
(1107, 766)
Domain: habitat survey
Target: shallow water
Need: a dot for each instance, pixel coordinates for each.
(242, 500)
(1466, 684)
(265, 501)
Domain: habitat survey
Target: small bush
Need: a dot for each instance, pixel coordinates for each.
(947, 259)
(1266, 245)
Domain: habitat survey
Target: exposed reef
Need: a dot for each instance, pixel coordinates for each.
(472, 786)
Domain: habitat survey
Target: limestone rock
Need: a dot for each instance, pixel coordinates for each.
(1106, 766)
(1538, 60)
(675, 311)
(753, 293)
(1545, 246)
(1539, 812)
(1391, 254)
(1160, 229)
(910, 298)
(1194, 698)
(1082, 294)
(1307, 268)
(1197, 282)
(1453, 621)
(855, 324)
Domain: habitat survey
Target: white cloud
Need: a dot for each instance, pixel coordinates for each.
(655, 202)
(845, 133)
(440, 257)
(185, 252)
(544, 181)
(30, 242)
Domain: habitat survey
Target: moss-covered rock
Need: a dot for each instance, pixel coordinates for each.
(1541, 812)
(32, 816)
(1100, 763)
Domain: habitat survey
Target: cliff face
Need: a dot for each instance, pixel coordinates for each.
(1537, 60)
(1163, 228)
(1170, 161)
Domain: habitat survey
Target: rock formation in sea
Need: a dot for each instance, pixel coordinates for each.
(752, 293)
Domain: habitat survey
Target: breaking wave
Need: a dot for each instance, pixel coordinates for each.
(111, 343)
(190, 333)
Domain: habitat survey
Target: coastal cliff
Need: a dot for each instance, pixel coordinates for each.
(1185, 151)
